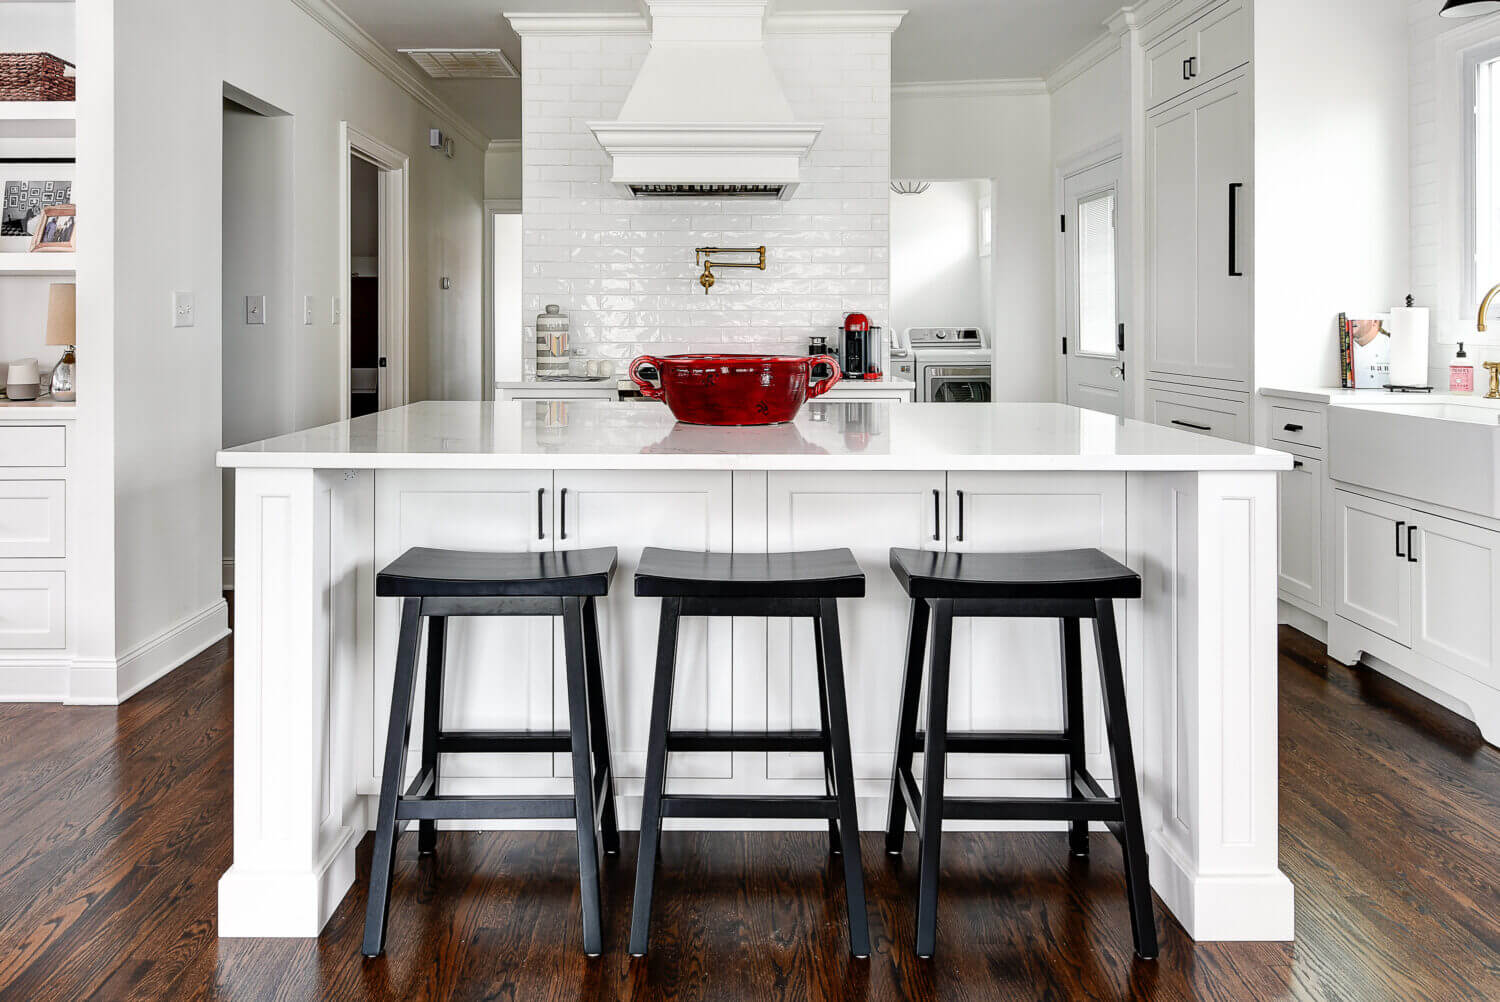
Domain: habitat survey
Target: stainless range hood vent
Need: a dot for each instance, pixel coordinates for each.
(707, 190)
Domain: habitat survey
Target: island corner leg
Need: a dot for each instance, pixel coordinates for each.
(1208, 546)
(296, 820)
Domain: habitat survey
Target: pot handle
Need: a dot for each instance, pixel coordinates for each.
(648, 390)
(818, 387)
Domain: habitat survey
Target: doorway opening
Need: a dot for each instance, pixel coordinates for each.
(374, 329)
(257, 338)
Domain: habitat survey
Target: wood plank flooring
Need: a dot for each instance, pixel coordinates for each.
(115, 827)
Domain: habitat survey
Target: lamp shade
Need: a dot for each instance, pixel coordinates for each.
(62, 315)
(1469, 8)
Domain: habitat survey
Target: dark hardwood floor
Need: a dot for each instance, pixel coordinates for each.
(115, 827)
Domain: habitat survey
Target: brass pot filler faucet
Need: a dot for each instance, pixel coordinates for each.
(704, 256)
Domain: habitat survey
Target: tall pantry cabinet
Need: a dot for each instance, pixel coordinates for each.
(1200, 335)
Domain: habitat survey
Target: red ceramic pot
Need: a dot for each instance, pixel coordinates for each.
(735, 389)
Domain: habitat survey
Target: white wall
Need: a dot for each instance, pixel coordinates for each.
(1007, 138)
(502, 170)
(1332, 194)
(172, 59)
(28, 26)
(623, 268)
(1091, 108)
(937, 275)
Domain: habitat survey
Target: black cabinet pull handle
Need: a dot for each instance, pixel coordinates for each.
(1296, 464)
(1189, 424)
(541, 533)
(1185, 70)
(1192, 67)
(1234, 229)
(937, 515)
(1411, 544)
(562, 514)
(1292, 427)
(1399, 527)
(960, 516)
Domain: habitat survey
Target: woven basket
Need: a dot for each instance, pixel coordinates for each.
(35, 76)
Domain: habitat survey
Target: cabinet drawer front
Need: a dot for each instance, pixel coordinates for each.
(1223, 40)
(32, 518)
(1166, 73)
(33, 445)
(1298, 426)
(31, 610)
(1300, 551)
(1227, 419)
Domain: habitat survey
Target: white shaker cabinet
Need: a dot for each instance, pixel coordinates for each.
(1372, 581)
(1214, 43)
(1455, 570)
(1299, 510)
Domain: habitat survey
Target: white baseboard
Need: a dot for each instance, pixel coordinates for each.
(109, 681)
(40, 679)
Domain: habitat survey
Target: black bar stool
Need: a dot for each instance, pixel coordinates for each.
(436, 584)
(750, 584)
(1066, 585)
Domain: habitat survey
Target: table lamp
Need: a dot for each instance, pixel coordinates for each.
(62, 329)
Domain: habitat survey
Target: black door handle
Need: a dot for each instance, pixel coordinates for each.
(541, 533)
(937, 515)
(562, 514)
(1399, 527)
(960, 516)
(1189, 424)
(1411, 545)
(1234, 227)
(1120, 338)
(1296, 464)
(1292, 427)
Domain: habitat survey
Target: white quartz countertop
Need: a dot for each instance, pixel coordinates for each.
(825, 436)
(1378, 396)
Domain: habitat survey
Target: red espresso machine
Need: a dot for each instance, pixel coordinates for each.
(860, 352)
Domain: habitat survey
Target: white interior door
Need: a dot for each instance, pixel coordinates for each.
(1095, 357)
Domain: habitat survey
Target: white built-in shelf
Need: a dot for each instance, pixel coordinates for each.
(17, 263)
(50, 118)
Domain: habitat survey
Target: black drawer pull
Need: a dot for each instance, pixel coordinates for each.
(562, 514)
(1292, 427)
(937, 515)
(1399, 527)
(540, 531)
(1189, 424)
(960, 516)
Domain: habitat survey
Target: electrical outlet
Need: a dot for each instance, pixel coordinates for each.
(337, 312)
(307, 311)
(255, 309)
(182, 310)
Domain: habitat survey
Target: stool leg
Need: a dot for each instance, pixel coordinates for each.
(843, 774)
(1078, 831)
(383, 862)
(906, 724)
(828, 785)
(656, 776)
(1122, 758)
(432, 723)
(583, 776)
(599, 720)
(933, 765)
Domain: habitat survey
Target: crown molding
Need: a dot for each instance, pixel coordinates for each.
(540, 23)
(834, 22)
(1019, 87)
(1083, 60)
(341, 26)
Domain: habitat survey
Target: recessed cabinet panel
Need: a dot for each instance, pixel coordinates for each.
(499, 674)
(1220, 418)
(32, 518)
(1225, 334)
(1373, 586)
(1223, 40)
(32, 610)
(1300, 510)
(1457, 584)
(1172, 235)
(1167, 68)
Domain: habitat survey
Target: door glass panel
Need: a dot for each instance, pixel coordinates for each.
(1096, 274)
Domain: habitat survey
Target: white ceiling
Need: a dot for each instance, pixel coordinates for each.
(938, 40)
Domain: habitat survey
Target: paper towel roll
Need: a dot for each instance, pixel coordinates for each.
(1408, 329)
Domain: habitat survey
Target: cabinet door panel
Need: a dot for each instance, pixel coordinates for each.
(1223, 40)
(1373, 586)
(1457, 582)
(1224, 331)
(499, 669)
(1007, 673)
(869, 513)
(1300, 513)
(1166, 75)
(1172, 241)
(632, 510)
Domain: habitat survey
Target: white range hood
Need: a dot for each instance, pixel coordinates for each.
(707, 117)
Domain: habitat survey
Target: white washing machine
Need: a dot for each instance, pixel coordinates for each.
(951, 364)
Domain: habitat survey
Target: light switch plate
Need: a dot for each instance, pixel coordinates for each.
(307, 311)
(182, 310)
(255, 309)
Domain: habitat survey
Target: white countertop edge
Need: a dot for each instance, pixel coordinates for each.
(18, 410)
(1261, 461)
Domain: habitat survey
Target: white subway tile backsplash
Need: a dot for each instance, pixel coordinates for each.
(624, 269)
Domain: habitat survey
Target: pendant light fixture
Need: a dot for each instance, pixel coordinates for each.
(918, 187)
(1470, 8)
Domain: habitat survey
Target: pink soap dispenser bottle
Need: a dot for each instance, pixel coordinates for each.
(1461, 373)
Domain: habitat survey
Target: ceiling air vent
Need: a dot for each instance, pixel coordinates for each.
(462, 64)
(707, 190)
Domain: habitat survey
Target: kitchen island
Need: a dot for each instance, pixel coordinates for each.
(319, 512)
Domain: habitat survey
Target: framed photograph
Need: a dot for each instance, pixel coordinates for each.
(26, 188)
(55, 229)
